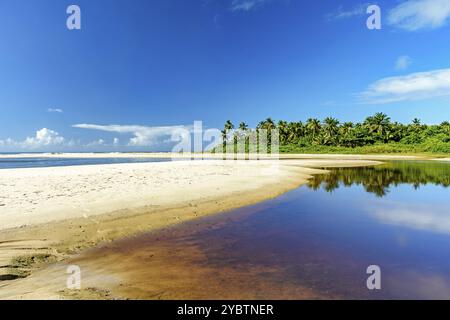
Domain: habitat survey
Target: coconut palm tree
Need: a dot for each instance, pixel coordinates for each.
(346, 134)
(376, 128)
(445, 127)
(313, 126)
(243, 126)
(267, 124)
(228, 126)
(283, 131)
(296, 132)
(330, 130)
(379, 125)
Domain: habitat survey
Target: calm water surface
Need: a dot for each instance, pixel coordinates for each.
(39, 162)
(319, 239)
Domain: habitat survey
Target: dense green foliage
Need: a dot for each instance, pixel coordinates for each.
(376, 134)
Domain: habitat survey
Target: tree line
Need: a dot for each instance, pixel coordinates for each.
(378, 129)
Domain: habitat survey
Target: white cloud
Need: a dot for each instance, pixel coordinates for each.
(415, 86)
(412, 15)
(246, 5)
(56, 110)
(7, 142)
(96, 143)
(142, 135)
(403, 62)
(46, 139)
(43, 138)
(341, 13)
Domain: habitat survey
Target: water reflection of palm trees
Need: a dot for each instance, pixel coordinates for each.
(379, 179)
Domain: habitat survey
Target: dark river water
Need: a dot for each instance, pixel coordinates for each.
(314, 242)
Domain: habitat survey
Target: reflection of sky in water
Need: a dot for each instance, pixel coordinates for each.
(428, 209)
(429, 194)
(326, 240)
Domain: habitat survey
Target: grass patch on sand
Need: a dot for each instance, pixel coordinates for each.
(86, 294)
(22, 266)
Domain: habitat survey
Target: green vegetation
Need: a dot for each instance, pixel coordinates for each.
(22, 266)
(377, 134)
(86, 294)
(379, 179)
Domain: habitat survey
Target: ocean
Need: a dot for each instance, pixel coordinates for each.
(40, 162)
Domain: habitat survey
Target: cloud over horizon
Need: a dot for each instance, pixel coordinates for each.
(415, 86)
(143, 136)
(43, 138)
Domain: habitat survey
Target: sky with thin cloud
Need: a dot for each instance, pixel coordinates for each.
(139, 71)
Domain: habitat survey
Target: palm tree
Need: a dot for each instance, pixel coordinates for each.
(346, 136)
(330, 129)
(267, 124)
(228, 126)
(376, 128)
(241, 137)
(243, 126)
(313, 126)
(379, 125)
(445, 127)
(264, 131)
(296, 131)
(283, 131)
(347, 127)
(414, 134)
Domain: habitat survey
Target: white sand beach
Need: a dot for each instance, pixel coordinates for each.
(42, 195)
(59, 211)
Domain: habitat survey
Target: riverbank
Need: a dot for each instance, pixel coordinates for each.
(50, 214)
(219, 156)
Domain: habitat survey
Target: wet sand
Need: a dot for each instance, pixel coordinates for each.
(186, 191)
(165, 264)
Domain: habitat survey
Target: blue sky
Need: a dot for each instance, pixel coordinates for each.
(135, 69)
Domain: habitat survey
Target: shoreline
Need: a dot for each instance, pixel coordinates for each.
(224, 186)
(187, 155)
